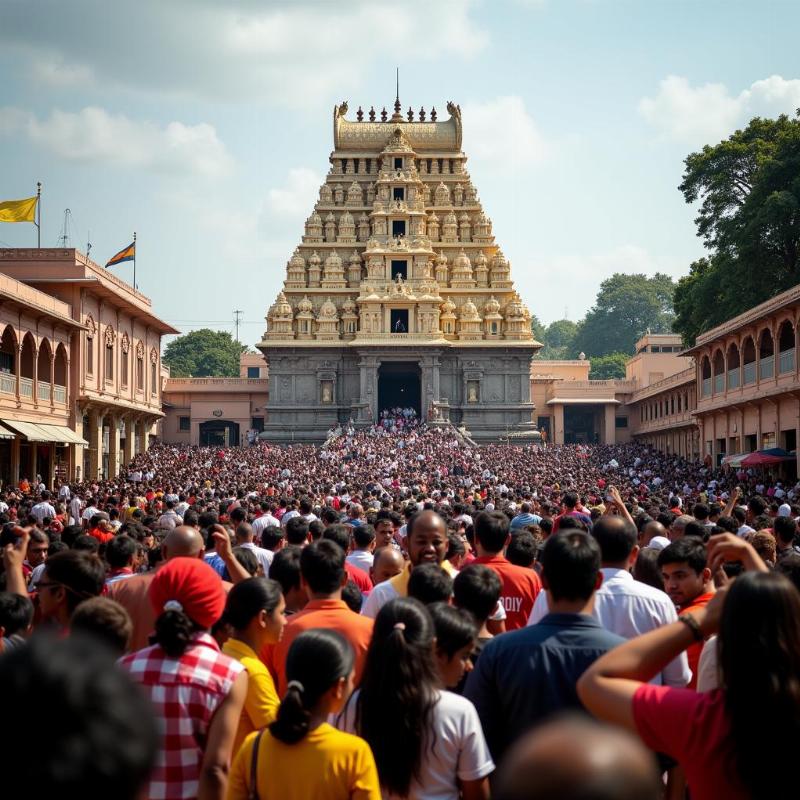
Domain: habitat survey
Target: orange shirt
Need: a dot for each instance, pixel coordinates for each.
(519, 590)
(693, 650)
(331, 614)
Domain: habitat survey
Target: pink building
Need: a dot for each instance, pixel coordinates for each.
(217, 411)
(747, 380)
(83, 351)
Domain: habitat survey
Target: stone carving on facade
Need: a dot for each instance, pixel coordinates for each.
(153, 355)
(110, 336)
(91, 328)
(139, 350)
(126, 343)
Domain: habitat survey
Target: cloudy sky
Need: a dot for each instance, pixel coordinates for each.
(206, 127)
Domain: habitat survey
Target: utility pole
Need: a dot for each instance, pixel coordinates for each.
(236, 317)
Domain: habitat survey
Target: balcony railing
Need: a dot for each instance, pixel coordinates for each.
(59, 393)
(43, 391)
(733, 378)
(26, 388)
(8, 383)
(719, 384)
(706, 387)
(749, 373)
(766, 367)
(786, 361)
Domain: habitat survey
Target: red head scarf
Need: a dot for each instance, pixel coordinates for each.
(193, 584)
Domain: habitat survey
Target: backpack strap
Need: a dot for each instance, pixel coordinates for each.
(252, 794)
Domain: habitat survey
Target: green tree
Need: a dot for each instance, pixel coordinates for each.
(749, 219)
(627, 306)
(537, 329)
(557, 339)
(204, 353)
(607, 367)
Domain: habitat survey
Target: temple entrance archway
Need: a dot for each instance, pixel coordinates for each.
(219, 433)
(400, 385)
(582, 424)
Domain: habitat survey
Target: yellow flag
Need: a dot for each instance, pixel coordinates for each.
(18, 210)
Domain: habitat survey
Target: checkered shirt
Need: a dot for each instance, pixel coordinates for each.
(185, 692)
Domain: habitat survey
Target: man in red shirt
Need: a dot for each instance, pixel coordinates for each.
(520, 585)
(689, 584)
(323, 576)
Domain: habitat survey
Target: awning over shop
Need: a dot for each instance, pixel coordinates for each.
(39, 432)
(763, 458)
(582, 401)
(5, 433)
(734, 459)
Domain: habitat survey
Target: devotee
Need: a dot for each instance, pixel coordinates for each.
(254, 610)
(426, 742)
(299, 755)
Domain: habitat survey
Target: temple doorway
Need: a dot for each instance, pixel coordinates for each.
(400, 386)
(581, 424)
(219, 433)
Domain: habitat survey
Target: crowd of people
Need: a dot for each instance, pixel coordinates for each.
(401, 614)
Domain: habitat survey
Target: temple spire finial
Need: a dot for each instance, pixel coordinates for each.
(397, 105)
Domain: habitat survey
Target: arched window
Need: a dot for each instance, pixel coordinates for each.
(785, 348)
(766, 355)
(43, 371)
(139, 367)
(60, 375)
(719, 372)
(748, 361)
(705, 375)
(733, 366)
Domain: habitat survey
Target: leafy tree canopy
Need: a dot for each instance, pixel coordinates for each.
(626, 307)
(748, 187)
(204, 353)
(557, 339)
(608, 367)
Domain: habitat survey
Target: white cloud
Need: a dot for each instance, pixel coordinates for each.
(93, 135)
(502, 135)
(297, 197)
(710, 113)
(295, 54)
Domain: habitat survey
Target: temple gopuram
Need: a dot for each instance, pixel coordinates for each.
(398, 294)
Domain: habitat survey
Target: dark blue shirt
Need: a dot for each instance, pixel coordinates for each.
(524, 676)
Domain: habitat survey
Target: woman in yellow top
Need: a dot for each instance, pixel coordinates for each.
(255, 612)
(300, 756)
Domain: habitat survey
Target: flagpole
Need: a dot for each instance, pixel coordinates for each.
(39, 215)
(134, 260)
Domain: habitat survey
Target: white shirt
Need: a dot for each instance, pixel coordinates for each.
(263, 555)
(362, 559)
(457, 751)
(89, 512)
(42, 510)
(630, 608)
(75, 511)
(289, 515)
(263, 522)
(378, 598)
(64, 492)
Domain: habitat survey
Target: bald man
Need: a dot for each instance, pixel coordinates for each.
(650, 531)
(574, 758)
(181, 542)
(426, 542)
(387, 563)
